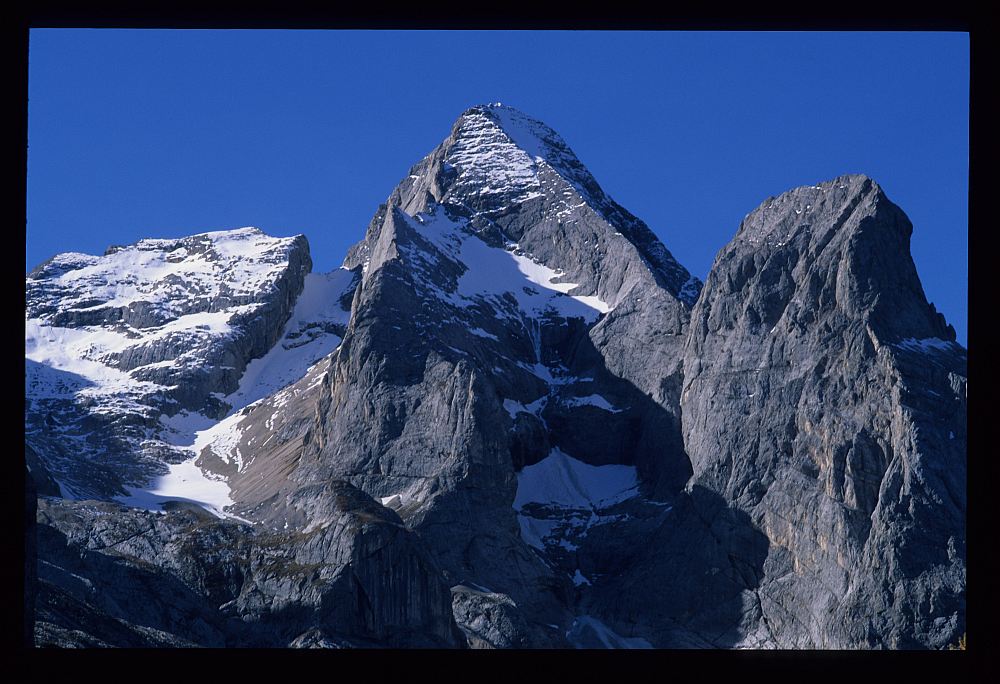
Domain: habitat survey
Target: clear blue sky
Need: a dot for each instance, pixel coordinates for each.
(166, 133)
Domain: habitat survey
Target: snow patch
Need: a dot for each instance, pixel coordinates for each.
(515, 407)
(157, 270)
(589, 632)
(560, 499)
(495, 273)
(479, 332)
(534, 531)
(928, 345)
(183, 482)
(592, 400)
(306, 339)
(562, 480)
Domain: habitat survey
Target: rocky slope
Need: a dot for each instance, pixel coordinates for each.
(506, 389)
(352, 577)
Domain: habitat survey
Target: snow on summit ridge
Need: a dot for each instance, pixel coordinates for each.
(500, 149)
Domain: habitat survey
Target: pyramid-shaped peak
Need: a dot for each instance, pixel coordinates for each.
(506, 171)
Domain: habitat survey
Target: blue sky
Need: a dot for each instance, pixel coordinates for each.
(160, 133)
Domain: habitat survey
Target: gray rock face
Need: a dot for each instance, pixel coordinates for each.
(353, 576)
(489, 620)
(825, 399)
(532, 428)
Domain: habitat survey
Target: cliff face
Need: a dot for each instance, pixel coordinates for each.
(512, 419)
(825, 398)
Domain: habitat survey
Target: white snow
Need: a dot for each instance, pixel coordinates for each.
(534, 531)
(494, 273)
(514, 407)
(573, 495)
(488, 160)
(183, 482)
(579, 579)
(68, 363)
(545, 276)
(562, 480)
(222, 438)
(281, 366)
(214, 322)
(592, 400)
(534, 408)
(163, 275)
(245, 260)
(291, 358)
(479, 332)
(604, 634)
(67, 360)
(186, 481)
(927, 345)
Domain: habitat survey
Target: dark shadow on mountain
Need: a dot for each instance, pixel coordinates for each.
(689, 584)
(226, 586)
(30, 559)
(686, 579)
(60, 430)
(638, 431)
(116, 600)
(41, 376)
(43, 484)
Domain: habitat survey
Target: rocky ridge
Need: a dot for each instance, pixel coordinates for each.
(508, 372)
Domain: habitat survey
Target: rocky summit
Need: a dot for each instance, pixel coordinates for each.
(511, 419)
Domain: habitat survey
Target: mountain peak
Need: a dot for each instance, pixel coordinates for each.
(500, 151)
(530, 134)
(513, 179)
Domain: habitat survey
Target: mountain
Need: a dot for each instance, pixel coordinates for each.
(511, 419)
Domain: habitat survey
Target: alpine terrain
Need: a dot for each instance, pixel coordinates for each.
(511, 419)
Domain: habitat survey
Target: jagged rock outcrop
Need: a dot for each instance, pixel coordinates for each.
(352, 575)
(824, 414)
